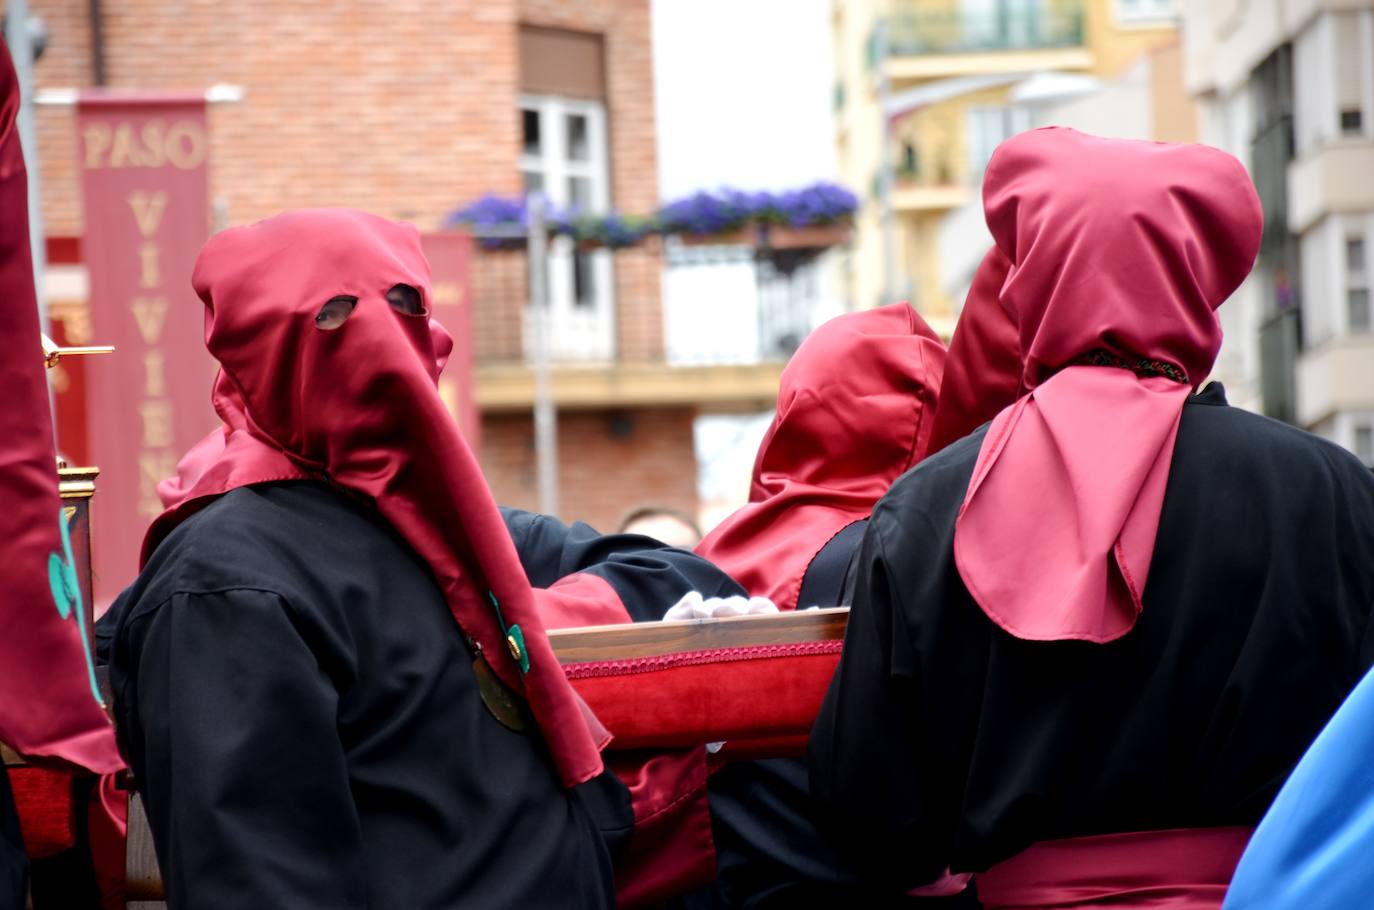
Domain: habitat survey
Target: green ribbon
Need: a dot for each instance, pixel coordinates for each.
(514, 635)
(66, 595)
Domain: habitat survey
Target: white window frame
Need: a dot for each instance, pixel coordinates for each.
(577, 332)
(1144, 13)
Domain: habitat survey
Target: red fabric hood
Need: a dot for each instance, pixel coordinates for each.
(358, 406)
(1119, 252)
(50, 707)
(253, 461)
(983, 370)
(854, 408)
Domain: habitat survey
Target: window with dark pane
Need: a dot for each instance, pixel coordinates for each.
(576, 130)
(1354, 255)
(584, 280)
(529, 120)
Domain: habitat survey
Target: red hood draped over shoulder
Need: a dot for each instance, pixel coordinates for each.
(854, 407)
(1119, 252)
(49, 706)
(358, 406)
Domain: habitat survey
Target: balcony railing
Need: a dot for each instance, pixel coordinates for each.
(911, 31)
(725, 305)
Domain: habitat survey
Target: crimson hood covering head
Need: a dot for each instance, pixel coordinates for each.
(49, 705)
(205, 472)
(357, 406)
(854, 407)
(983, 369)
(1120, 252)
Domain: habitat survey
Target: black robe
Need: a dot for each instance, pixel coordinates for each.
(769, 852)
(302, 715)
(944, 741)
(648, 575)
(14, 866)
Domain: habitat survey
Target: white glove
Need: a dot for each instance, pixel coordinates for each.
(694, 606)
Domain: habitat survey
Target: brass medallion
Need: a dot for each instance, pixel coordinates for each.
(504, 705)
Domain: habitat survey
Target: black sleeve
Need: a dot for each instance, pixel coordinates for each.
(827, 582)
(873, 801)
(649, 576)
(14, 865)
(104, 631)
(231, 729)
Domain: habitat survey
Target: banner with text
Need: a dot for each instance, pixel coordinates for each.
(145, 203)
(450, 258)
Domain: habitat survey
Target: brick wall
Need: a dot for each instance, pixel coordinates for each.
(406, 108)
(623, 459)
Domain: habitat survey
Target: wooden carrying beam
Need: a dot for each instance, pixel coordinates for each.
(742, 679)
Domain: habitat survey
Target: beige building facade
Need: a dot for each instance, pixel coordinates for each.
(949, 70)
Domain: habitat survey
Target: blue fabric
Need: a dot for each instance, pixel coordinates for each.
(1314, 849)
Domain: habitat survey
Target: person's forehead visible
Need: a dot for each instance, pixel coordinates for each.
(667, 528)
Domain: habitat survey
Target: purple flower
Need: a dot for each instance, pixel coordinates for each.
(503, 221)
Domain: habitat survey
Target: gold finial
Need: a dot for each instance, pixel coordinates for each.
(52, 353)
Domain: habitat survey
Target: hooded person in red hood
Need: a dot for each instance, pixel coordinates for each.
(855, 412)
(581, 577)
(1059, 672)
(331, 676)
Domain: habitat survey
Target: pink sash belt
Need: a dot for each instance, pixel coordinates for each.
(1181, 869)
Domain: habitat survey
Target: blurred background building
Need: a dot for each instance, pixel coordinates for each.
(945, 77)
(667, 354)
(930, 88)
(409, 109)
(1288, 87)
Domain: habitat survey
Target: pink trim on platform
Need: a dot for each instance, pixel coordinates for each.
(1179, 869)
(658, 662)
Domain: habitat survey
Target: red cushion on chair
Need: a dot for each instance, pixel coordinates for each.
(46, 810)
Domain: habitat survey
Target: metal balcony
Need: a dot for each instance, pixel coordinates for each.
(912, 31)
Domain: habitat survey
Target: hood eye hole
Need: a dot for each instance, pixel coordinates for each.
(406, 300)
(335, 312)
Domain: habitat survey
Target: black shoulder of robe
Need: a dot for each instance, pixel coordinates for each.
(946, 741)
(769, 852)
(648, 575)
(14, 865)
(301, 713)
(826, 577)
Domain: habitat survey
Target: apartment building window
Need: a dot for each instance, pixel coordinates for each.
(564, 156)
(1357, 286)
(1352, 64)
(989, 127)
